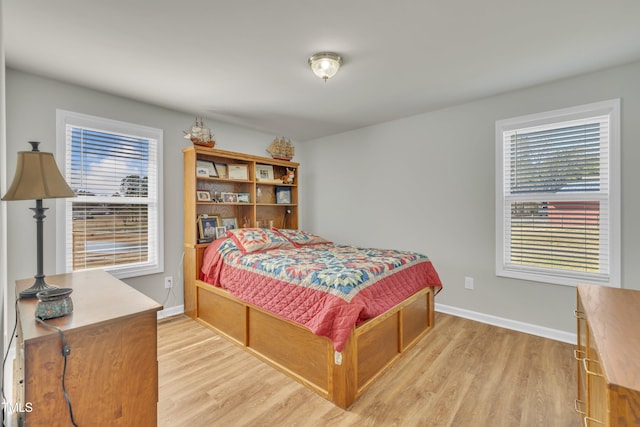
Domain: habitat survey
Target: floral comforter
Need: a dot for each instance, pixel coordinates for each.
(327, 288)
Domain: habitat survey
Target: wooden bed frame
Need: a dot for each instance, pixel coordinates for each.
(372, 347)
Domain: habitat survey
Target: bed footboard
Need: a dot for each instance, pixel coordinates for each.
(342, 377)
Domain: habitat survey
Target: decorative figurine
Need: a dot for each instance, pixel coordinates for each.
(289, 176)
(200, 134)
(281, 149)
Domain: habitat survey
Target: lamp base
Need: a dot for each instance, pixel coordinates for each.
(38, 286)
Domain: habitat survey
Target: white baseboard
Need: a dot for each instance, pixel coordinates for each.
(502, 322)
(171, 311)
(515, 325)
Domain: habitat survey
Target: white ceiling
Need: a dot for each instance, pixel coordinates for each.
(245, 61)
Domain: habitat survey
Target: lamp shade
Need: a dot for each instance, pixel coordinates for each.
(325, 64)
(37, 177)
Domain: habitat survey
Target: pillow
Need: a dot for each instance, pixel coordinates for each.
(258, 239)
(301, 238)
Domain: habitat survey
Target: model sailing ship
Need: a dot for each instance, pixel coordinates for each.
(281, 149)
(200, 134)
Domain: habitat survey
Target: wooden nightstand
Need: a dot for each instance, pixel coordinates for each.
(112, 369)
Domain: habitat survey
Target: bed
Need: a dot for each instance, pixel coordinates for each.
(333, 317)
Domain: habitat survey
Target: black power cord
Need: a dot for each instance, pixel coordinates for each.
(66, 350)
(4, 360)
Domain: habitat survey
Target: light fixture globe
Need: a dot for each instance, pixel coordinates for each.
(325, 64)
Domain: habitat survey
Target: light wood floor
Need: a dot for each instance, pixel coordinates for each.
(463, 373)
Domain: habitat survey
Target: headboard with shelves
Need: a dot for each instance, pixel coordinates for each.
(261, 199)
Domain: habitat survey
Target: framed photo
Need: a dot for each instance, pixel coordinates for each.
(243, 198)
(209, 166)
(283, 195)
(207, 226)
(230, 223)
(238, 171)
(264, 173)
(202, 172)
(229, 197)
(221, 232)
(203, 196)
(221, 168)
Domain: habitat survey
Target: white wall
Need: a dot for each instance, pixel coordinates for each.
(423, 183)
(31, 115)
(427, 183)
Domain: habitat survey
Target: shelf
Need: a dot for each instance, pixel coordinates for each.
(222, 204)
(277, 184)
(234, 181)
(262, 194)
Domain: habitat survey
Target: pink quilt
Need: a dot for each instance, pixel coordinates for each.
(327, 288)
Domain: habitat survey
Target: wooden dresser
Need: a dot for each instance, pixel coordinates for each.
(608, 356)
(112, 369)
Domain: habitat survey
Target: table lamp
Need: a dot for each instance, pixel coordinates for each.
(37, 177)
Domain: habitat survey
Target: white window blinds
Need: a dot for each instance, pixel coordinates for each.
(555, 194)
(114, 222)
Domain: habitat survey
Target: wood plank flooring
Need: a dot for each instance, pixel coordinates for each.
(463, 373)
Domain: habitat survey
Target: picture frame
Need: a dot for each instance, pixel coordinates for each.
(221, 232)
(229, 197)
(264, 173)
(203, 196)
(283, 195)
(207, 225)
(209, 166)
(221, 168)
(244, 198)
(202, 172)
(230, 223)
(238, 171)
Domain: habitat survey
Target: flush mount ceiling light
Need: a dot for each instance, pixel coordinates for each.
(325, 64)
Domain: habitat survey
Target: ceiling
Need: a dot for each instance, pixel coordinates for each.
(245, 62)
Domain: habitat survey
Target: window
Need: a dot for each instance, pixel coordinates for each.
(557, 196)
(115, 220)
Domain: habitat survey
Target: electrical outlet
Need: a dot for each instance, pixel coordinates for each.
(168, 282)
(337, 358)
(468, 283)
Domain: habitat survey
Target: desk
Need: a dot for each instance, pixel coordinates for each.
(112, 369)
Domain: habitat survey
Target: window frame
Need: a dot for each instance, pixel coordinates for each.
(611, 108)
(64, 118)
